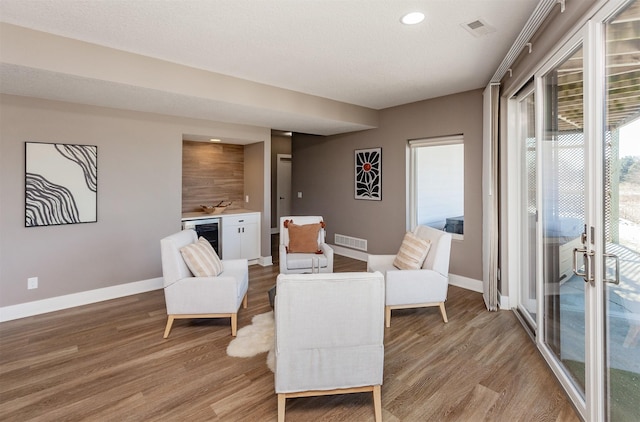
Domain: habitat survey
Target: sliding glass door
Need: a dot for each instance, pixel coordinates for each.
(577, 212)
(528, 206)
(621, 214)
(563, 213)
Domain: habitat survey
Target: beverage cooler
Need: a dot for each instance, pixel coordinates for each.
(209, 228)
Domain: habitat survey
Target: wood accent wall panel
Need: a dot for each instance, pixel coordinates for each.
(211, 173)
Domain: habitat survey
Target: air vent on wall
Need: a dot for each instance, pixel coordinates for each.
(350, 242)
(478, 28)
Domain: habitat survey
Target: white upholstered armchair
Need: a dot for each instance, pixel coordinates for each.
(296, 254)
(329, 336)
(417, 288)
(201, 297)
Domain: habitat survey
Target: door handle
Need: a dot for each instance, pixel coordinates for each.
(282, 197)
(586, 259)
(576, 251)
(616, 279)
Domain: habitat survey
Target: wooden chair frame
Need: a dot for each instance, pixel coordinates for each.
(375, 389)
(388, 308)
(233, 316)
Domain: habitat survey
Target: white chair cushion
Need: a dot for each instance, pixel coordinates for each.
(298, 261)
(202, 259)
(412, 253)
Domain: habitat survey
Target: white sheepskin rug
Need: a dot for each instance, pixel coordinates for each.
(255, 339)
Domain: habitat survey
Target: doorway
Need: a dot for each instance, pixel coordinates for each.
(283, 187)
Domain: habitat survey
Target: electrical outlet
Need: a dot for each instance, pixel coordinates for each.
(299, 194)
(32, 283)
(246, 198)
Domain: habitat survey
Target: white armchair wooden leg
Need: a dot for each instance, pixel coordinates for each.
(443, 312)
(282, 401)
(377, 403)
(234, 324)
(245, 300)
(170, 319)
(387, 316)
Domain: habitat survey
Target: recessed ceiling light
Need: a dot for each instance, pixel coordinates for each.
(214, 140)
(412, 18)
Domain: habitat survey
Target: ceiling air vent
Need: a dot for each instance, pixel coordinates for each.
(478, 28)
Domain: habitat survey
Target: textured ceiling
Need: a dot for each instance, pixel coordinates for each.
(352, 51)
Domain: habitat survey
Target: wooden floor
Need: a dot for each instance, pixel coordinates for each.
(109, 362)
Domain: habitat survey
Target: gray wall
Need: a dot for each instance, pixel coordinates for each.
(323, 167)
(139, 196)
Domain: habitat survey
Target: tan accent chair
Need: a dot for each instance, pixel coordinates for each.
(329, 336)
(299, 263)
(201, 297)
(420, 288)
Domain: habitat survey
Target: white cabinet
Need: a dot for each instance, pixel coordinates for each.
(241, 236)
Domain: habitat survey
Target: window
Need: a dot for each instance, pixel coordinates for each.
(437, 183)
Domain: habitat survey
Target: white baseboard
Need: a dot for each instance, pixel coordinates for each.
(265, 261)
(350, 253)
(466, 283)
(455, 280)
(23, 310)
(503, 302)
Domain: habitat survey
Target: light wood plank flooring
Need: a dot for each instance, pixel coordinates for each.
(109, 362)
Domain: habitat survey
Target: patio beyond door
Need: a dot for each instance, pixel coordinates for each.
(620, 223)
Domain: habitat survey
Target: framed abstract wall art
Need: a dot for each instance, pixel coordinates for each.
(368, 174)
(61, 184)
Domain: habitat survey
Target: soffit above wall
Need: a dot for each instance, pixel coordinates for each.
(351, 57)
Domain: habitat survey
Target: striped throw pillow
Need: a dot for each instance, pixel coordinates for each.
(202, 259)
(412, 253)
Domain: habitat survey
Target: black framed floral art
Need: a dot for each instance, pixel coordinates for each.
(368, 174)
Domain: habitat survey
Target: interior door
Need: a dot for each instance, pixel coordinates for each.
(283, 189)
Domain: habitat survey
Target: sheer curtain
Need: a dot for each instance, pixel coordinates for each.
(490, 196)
